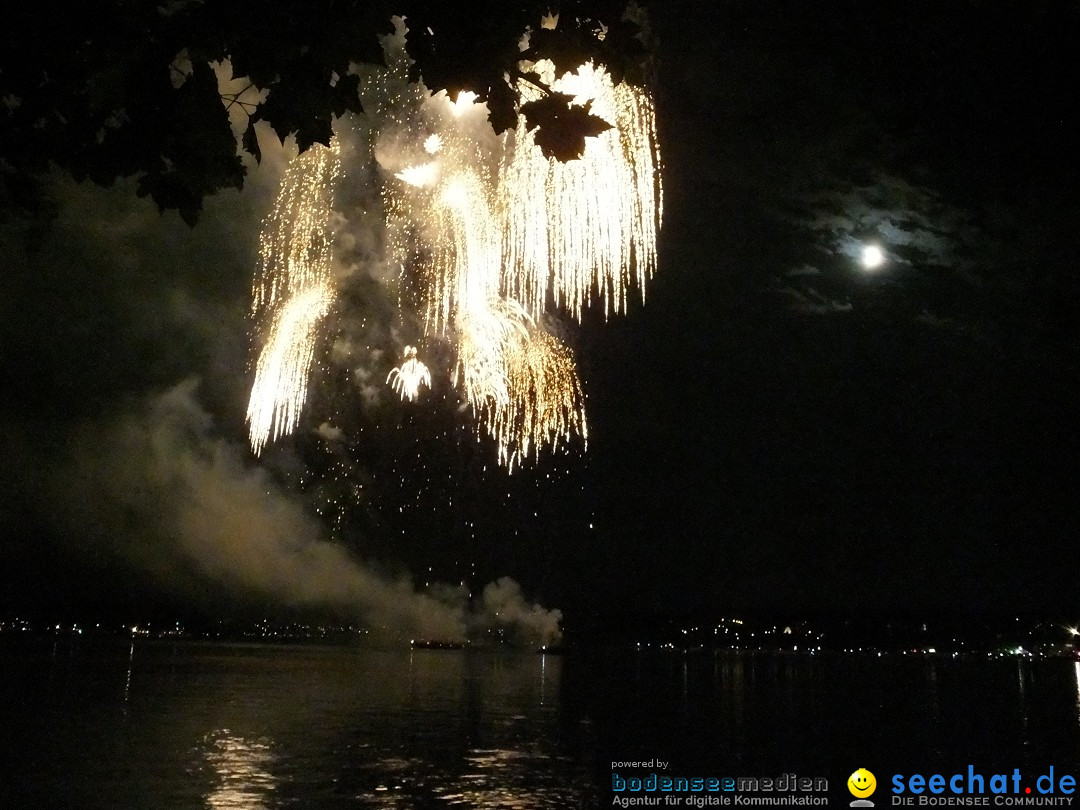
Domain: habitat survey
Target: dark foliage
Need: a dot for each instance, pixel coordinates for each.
(94, 92)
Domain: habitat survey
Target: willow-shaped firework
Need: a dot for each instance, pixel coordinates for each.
(493, 233)
(293, 291)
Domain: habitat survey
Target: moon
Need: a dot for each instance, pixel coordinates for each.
(872, 257)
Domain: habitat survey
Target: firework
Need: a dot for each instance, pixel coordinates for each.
(432, 144)
(296, 244)
(588, 224)
(494, 245)
(488, 339)
(424, 174)
(293, 292)
(545, 406)
(281, 376)
(409, 376)
(521, 381)
(490, 233)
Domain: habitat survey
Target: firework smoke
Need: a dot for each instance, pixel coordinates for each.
(145, 493)
(183, 505)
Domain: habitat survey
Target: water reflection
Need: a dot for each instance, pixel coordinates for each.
(242, 770)
(1076, 672)
(516, 779)
(543, 678)
(505, 709)
(127, 681)
(528, 778)
(248, 726)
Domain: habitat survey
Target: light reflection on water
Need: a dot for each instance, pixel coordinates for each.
(507, 709)
(242, 768)
(1076, 671)
(249, 726)
(513, 779)
(501, 778)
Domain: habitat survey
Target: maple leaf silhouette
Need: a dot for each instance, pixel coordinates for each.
(562, 127)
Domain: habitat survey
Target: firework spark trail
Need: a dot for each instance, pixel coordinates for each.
(487, 341)
(296, 244)
(450, 202)
(521, 381)
(409, 376)
(293, 291)
(547, 405)
(589, 223)
(281, 376)
(473, 237)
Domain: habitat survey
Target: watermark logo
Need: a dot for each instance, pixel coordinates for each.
(862, 784)
(978, 789)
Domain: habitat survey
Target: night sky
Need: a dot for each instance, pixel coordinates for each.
(776, 430)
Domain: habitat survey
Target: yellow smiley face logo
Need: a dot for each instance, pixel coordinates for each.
(861, 783)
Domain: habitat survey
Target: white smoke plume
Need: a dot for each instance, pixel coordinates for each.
(186, 506)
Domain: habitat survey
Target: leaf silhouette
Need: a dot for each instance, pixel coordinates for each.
(562, 127)
(91, 91)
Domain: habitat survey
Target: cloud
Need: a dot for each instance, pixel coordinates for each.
(813, 302)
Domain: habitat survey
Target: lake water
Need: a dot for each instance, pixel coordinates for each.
(160, 725)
